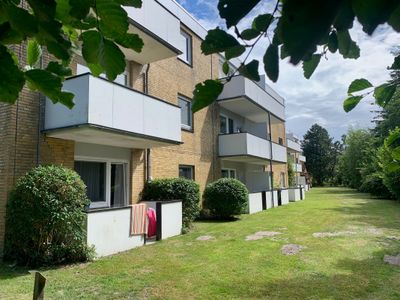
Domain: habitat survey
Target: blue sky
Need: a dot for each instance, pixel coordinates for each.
(319, 100)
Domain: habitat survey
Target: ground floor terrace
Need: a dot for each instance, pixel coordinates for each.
(330, 246)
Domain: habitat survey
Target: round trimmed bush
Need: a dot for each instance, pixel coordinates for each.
(226, 197)
(46, 219)
(176, 189)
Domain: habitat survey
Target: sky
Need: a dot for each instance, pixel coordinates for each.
(319, 99)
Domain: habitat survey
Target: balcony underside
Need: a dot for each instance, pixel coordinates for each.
(245, 107)
(93, 134)
(154, 49)
(248, 159)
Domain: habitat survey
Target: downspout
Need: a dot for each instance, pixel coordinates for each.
(270, 161)
(41, 100)
(213, 112)
(148, 165)
(148, 151)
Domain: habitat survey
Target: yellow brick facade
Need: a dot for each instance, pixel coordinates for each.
(24, 146)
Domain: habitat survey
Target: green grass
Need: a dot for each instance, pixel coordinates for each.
(349, 267)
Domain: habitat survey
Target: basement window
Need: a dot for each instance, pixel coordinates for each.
(186, 171)
(228, 173)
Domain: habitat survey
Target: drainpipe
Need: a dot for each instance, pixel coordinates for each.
(146, 79)
(39, 124)
(148, 165)
(270, 161)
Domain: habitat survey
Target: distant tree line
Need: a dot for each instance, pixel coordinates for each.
(365, 159)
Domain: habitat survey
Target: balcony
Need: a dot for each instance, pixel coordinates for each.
(246, 98)
(302, 158)
(244, 147)
(159, 29)
(107, 113)
(293, 146)
(297, 168)
(279, 153)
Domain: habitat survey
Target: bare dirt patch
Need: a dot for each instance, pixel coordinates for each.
(333, 234)
(392, 260)
(392, 237)
(262, 234)
(205, 238)
(291, 249)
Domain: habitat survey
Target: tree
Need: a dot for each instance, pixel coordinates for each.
(356, 155)
(290, 171)
(94, 28)
(303, 30)
(317, 145)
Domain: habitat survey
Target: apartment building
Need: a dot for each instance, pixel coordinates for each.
(140, 127)
(298, 159)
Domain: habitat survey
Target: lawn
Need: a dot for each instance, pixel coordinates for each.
(228, 266)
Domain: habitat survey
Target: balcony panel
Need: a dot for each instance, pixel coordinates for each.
(279, 153)
(159, 29)
(110, 114)
(302, 158)
(244, 147)
(293, 146)
(246, 98)
(297, 168)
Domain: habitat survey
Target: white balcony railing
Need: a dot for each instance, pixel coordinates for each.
(111, 114)
(293, 145)
(279, 153)
(302, 158)
(244, 144)
(246, 98)
(297, 168)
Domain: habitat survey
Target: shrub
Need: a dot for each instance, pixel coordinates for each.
(45, 219)
(391, 173)
(226, 197)
(176, 189)
(374, 185)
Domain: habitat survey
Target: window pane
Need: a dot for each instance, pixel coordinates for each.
(118, 189)
(187, 47)
(224, 173)
(186, 172)
(93, 175)
(186, 113)
(223, 125)
(121, 79)
(232, 174)
(231, 129)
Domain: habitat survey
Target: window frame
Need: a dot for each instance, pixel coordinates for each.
(192, 167)
(109, 162)
(227, 131)
(229, 170)
(190, 113)
(187, 57)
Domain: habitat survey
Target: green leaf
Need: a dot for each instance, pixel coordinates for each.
(249, 34)
(250, 70)
(394, 19)
(130, 41)
(50, 85)
(351, 102)
(393, 167)
(384, 93)
(95, 69)
(345, 17)
(333, 43)
(271, 62)
(21, 20)
(217, 41)
(393, 137)
(113, 16)
(133, 3)
(396, 63)
(304, 24)
(359, 85)
(234, 10)
(206, 93)
(309, 66)
(262, 22)
(11, 78)
(371, 13)
(347, 47)
(234, 52)
(97, 50)
(225, 68)
(284, 53)
(58, 69)
(9, 36)
(80, 8)
(34, 52)
(396, 154)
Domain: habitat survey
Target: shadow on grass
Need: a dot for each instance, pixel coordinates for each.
(356, 279)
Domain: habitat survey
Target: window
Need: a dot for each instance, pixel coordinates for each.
(228, 173)
(280, 141)
(282, 180)
(106, 181)
(186, 172)
(186, 113)
(187, 55)
(226, 125)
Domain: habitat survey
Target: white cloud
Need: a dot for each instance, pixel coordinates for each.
(319, 100)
